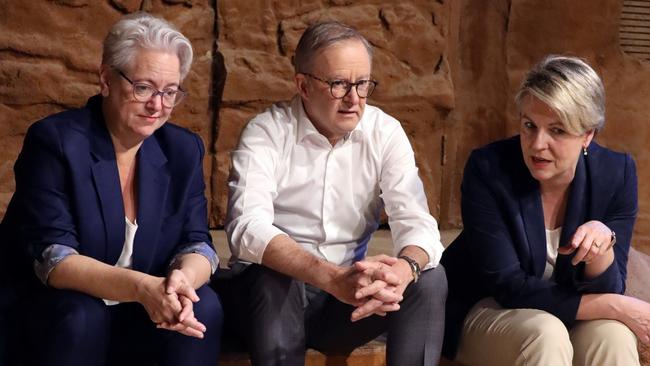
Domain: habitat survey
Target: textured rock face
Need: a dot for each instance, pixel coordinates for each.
(590, 30)
(50, 52)
(447, 69)
(497, 42)
(257, 39)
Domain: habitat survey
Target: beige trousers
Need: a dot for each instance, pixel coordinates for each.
(502, 337)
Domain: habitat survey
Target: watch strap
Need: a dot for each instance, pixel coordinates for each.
(613, 240)
(415, 266)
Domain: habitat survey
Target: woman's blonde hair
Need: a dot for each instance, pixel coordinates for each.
(571, 88)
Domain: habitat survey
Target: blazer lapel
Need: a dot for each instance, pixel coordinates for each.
(530, 203)
(575, 215)
(153, 182)
(107, 185)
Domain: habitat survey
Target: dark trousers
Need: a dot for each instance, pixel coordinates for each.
(278, 318)
(60, 327)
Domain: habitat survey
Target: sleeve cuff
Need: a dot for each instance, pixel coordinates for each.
(607, 282)
(52, 255)
(201, 248)
(433, 249)
(254, 242)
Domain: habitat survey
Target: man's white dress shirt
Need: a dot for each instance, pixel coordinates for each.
(287, 178)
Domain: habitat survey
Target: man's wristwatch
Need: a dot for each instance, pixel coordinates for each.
(415, 266)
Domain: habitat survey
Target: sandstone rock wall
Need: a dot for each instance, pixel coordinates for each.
(590, 29)
(497, 43)
(447, 69)
(50, 53)
(258, 37)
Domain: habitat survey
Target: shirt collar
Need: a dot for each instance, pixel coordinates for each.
(306, 128)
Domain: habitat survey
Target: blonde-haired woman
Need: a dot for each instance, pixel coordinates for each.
(537, 275)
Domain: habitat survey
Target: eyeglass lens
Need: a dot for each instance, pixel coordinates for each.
(340, 89)
(144, 93)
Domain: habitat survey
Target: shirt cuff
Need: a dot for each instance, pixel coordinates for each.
(52, 255)
(201, 248)
(253, 243)
(433, 249)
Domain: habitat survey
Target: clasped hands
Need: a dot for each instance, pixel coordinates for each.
(169, 303)
(374, 285)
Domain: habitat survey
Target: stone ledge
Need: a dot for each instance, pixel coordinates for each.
(638, 273)
(371, 354)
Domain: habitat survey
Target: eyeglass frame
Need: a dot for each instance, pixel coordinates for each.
(349, 87)
(181, 94)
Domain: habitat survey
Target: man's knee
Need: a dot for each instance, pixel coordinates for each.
(269, 312)
(270, 294)
(277, 304)
(267, 282)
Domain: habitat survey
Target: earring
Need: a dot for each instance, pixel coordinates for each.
(584, 151)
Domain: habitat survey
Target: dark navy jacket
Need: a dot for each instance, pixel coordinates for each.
(68, 192)
(501, 251)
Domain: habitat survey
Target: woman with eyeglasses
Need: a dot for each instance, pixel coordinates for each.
(538, 274)
(107, 236)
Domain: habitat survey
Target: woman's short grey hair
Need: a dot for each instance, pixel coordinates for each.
(140, 31)
(571, 88)
(321, 35)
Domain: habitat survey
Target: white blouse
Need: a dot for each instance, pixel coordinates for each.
(552, 244)
(126, 257)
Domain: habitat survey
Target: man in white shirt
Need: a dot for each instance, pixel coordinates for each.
(308, 181)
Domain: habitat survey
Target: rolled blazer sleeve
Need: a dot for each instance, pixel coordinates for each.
(40, 173)
(619, 216)
(195, 237)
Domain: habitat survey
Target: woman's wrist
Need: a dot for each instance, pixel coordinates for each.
(190, 275)
(599, 265)
(142, 282)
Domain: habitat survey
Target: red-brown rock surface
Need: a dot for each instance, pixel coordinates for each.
(589, 29)
(447, 70)
(50, 52)
(258, 38)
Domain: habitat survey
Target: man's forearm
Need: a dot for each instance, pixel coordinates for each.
(416, 253)
(285, 255)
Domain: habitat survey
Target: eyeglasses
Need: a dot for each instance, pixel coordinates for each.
(340, 88)
(143, 92)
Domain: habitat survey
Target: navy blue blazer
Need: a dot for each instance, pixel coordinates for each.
(501, 251)
(68, 192)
